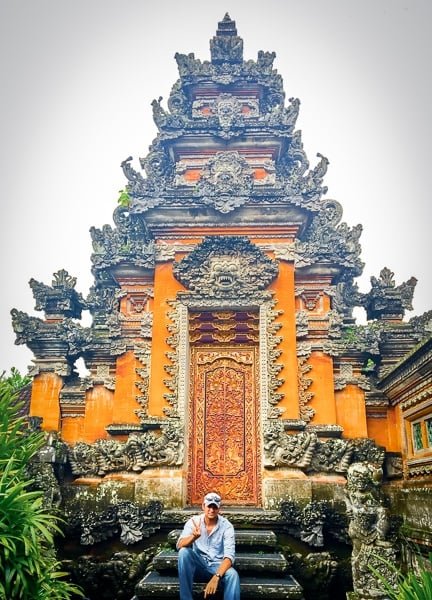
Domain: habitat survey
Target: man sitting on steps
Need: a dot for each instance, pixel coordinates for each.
(207, 551)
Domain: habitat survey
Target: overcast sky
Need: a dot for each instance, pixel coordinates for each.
(78, 78)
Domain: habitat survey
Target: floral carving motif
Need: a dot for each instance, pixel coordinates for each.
(306, 412)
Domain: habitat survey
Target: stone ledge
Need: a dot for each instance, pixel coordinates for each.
(160, 587)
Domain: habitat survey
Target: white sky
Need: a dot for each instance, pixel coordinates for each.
(78, 78)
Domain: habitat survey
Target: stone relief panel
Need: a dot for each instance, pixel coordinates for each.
(163, 447)
(226, 268)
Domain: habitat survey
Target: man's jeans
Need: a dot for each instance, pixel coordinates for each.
(192, 568)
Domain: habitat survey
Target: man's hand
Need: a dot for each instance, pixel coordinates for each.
(211, 587)
(196, 531)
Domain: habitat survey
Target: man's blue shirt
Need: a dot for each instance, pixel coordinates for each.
(217, 545)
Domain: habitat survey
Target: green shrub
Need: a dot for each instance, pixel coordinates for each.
(29, 569)
(409, 586)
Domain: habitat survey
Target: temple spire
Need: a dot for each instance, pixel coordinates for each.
(226, 45)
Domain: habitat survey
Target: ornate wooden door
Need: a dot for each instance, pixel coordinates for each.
(224, 425)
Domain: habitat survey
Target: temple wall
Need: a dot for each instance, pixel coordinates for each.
(322, 387)
(165, 289)
(45, 400)
(351, 411)
(124, 402)
(98, 413)
(285, 295)
(72, 429)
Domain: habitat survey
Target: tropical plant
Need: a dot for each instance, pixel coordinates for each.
(411, 585)
(29, 569)
(124, 198)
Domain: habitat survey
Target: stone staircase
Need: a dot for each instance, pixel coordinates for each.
(262, 570)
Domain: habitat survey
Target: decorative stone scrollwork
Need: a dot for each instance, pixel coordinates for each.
(273, 367)
(332, 456)
(283, 450)
(347, 377)
(128, 242)
(132, 522)
(60, 299)
(306, 412)
(385, 300)
(148, 449)
(142, 352)
(328, 241)
(306, 452)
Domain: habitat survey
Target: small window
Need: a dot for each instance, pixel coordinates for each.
(429, 432)
(417, 436)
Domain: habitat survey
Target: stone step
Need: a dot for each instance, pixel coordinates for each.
(244, 562)
(159, 587)
(244, 537)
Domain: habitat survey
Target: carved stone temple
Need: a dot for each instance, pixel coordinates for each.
(223, 353)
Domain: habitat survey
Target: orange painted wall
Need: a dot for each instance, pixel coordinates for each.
(98, 413)
(45, 400)
(322, 387)
(285, 295)
(394, 429)
(165, 288)
(351, 411)
(378, 430)
(125, 404)
(72, 429)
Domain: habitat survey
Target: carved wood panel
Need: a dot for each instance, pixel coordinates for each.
(224, 425)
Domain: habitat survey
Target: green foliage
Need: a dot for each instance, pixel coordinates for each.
(29, 569)
(15, 381)
(124, 198)
(409, 586)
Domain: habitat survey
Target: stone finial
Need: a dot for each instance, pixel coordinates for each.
(226, 45)
(386, 301)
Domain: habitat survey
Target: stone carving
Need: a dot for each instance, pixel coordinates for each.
(347, 377)
(365, 450)
(328, 241)
(345, 296)
(303, 383)
(128, 242)
(227, 108)
(364, 338)
(385, 300)
(307, 452)
(63, 338)
(226, 182)
(46, 469)
(226, 267)
(302, 324)
(104, 304)
(142, 352)
(141, 450)
(307, 522)
(369, 531)
(145, 192)
(132, 522)
(60, 299)
(112, 578)
(273, 367)
(332, 456)
(226, 46)
(283, 450)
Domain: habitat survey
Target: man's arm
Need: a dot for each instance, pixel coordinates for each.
(212, 585)
(191, 532)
